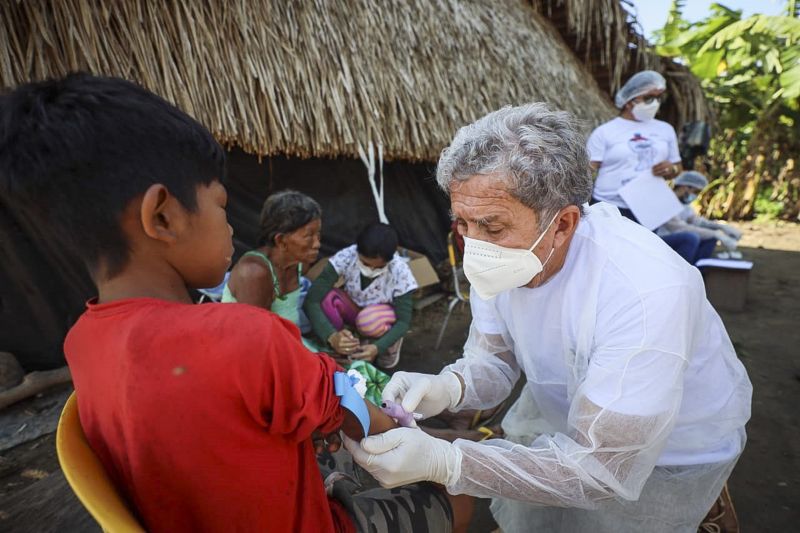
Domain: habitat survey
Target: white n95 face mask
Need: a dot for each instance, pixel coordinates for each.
(689, 198)
(492, 269)
(369, 272)
(644, 112)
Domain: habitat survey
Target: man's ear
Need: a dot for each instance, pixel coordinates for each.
(566, 224)
(161, 214)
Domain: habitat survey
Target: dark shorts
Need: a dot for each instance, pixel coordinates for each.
(416, 508)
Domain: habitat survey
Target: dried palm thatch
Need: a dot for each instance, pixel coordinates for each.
(602, 36)
(313, 78)
(605, 36)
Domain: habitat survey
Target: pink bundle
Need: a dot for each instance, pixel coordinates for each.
(375, 320)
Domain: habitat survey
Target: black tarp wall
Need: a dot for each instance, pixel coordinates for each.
(413, 204)
(43, 286)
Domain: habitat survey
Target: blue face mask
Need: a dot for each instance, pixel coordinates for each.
(689, 198)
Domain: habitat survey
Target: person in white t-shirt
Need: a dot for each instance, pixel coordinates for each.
(635, 143)
(635, 401)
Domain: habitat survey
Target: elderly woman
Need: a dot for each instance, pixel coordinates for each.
(627, 363)
(635, 143)
(269, 276)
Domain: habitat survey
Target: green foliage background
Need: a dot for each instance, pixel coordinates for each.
(750, 71)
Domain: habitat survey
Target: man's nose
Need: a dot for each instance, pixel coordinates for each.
(472, 231)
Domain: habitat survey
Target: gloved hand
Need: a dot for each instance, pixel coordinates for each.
(427, 394)
(407, 455)
(732, 232)
(727, 242)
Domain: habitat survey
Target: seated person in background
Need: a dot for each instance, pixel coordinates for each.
(692, 236)
(269, 276)
(201, 414)
(375, 299)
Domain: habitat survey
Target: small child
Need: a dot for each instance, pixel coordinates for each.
(202, 415)
(376, 298)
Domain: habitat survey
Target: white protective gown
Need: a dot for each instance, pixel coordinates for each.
(635, 404)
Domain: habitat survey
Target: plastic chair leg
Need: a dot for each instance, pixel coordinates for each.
(450, 307)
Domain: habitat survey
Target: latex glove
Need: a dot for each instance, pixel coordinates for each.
(426, 394)
(407, 455)
(727, 242)
(732, 232)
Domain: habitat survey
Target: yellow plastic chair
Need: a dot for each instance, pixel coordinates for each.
(87, 477)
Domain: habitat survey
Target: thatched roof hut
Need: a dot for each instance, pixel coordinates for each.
(311, 79)
(606, 37)
(295, 89)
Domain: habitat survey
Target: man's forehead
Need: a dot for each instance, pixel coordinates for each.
(478, 215)
(481, 186)
(483, 200)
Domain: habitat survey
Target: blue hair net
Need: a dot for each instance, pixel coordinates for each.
(640, 83)
(692, 178)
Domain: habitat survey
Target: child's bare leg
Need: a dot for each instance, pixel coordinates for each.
(463, 506)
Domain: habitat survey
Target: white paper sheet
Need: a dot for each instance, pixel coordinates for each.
(651, 200)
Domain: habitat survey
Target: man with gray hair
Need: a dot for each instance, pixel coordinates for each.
(635, 403)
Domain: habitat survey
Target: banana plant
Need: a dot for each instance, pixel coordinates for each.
(750, 71)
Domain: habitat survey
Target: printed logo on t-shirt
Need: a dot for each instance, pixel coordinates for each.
(644, 150)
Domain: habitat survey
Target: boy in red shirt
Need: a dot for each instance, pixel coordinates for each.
(201, 414)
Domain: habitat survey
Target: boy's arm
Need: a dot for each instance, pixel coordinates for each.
(288, 389)
(378, 422)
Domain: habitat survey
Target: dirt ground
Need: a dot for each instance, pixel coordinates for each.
(765, 485)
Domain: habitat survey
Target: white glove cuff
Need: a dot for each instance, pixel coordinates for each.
(452, 384)
(453, 467)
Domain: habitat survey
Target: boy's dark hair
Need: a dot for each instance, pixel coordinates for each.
(377, 240)
(74, 152)
(285, 212)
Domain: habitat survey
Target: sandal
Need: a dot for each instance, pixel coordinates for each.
(722, 516)
(497, 410)
(476, 418)
(488, 433)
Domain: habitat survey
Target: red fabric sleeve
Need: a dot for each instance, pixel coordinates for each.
(285, 387)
